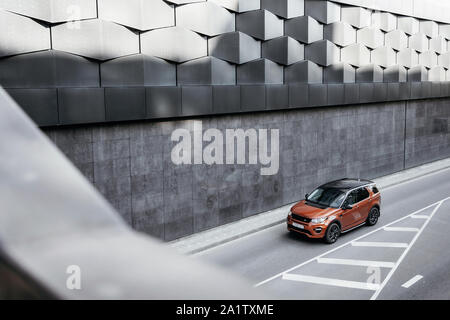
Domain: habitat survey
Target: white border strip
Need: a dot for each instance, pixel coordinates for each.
(409, 283)
(380, 244)
(361, 263)
(331, 282)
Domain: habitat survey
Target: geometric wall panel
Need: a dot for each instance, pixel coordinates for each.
(283, 50)
(408, 25)
(52, 11)
(444, 60)
(371, 37)
(438, 44)
(429, 59)
(444, 30)
(339, 73)
(96, 39)
(437, 74)
(303, 72)
(429, 28)
(323, 11)
(175, 44)
(285, 8)
(138, 70)
(383, 56)
(340, 33)
(384, 20)
(396, 40)
(206, 71)
(137, 14)
(417, 74)
(261, 24)
(179, 2)
(408, 58)
(239, 5)
(356, 16)
(369, 73)
(20, 34)
(322, 52)
(395, 73)
(205, 18)
(261, 71)
(419, 42)
(236, 47)
(356, 54)
(304, 29)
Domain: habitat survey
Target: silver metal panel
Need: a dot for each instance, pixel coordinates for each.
(371, 37)
(429, 28)
(397, 40)
(206, 18)
(285, 8)
(226, 99)
(81, 105)
(336, 94)
(123, 104)
(356, 16)
(196, 100)
(356, 55)
(417, 74)
(206, 71)
(239, 5)
(175, 44)
(318, 95)
(369, 73)
(351, 93)
(284, 50)
(21, 35)
(444, 31)
(138, 70)
(235, 47)
(419, 42)
(340, 33)
(429, 59)
(253, 97)
(304, 29)
(163, 102)
(408, 58)
(438, 44)
(323, 11)
(298, 95)
(444, 60)
(384, 20)
(339, 73)
(97, 39)
(303, 72)
(179, 2)
(384, 57)
(137, 14)
(322, 52)
(409, 25)
(437, 74)
(261, 71)
(261, 24)
(395, 73)
(53, 11)
(277, 97)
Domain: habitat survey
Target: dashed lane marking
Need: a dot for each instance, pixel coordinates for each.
(409, 283)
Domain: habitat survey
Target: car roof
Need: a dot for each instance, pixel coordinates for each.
(347, 184)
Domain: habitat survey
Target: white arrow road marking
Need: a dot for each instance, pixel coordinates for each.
(409, 283)
(331, 282)
(362, 263)
(380, 244)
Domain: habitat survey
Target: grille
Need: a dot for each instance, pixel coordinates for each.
(300, 230)
(300, 218)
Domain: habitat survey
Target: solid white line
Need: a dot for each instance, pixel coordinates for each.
(409, 283)
(418, 216)
(375, 295)
(362, 263)
(331, 282)
(380, 244)
(401, 229)
(345, 244)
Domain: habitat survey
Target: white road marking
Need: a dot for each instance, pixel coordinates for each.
(409, 283)
(401, 229)
(375, 295)
(418, 216)
(362, 263)
(331, 282)
(380, 244)
(347, 243)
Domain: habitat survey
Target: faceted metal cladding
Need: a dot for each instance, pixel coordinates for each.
(206, 18)
(322, 52)
(261, 71)
(428, 59)
(371, 37)
(340, 33)
(339, 73)
(419, 42)
(417, 74)
(284, 50)
(97, 39)
(397, 40)
(303, 72)
(408, 58)
(21, 35)
(235, 47)
(437, 74)
(285, 8)
(261, 24)
(53, 11)
(304, 29)
(429, 28)
(239, 5)
(369, 73)
(175, 44)
(356, 54)
(356, 16)
(206, 71)
(137, 14)
(438, 44)
(324, 11)
(409, 25)
(395, 73)
(384, 20)
(383, 56)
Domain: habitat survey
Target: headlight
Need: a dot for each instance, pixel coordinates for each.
(319, 220)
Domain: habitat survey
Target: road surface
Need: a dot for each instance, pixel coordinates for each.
(405, 256)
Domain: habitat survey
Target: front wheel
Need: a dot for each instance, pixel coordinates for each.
(332, 234)
(374, 214)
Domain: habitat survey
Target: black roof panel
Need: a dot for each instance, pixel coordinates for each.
(346, 184)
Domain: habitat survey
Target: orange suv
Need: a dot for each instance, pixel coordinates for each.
(334, 208)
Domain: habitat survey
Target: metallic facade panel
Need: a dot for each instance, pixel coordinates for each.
(323, 52)
(53, 11)
(76, 106)
(298, 95)
(397, 40)
(163, 102)
(409, 25)
(371, 37)
(96, 39)
(429, 28)
(261, 71)
(444, 60)
(304, 29)
(407, 58)
(339, 73)
(285, 8)
(137, 14)
(419, 42)
(206, 18)
(369, 73)
(384, 20)
(21, 35)
(226, 99)
(283, 50)
(438, 44)
(253, 97)
(206, 71)
(323, 11)
(395, 73)
(356, 54)
(351, 93)
(428, 59)
(356, 16)
(138, 70)
(383, 56)
(123, 104)
(303, 72)
(336, 94)
(340, 33)
(196, 100)
(444, 31)
(437, 74)
(175, 44)
(277, 97)
(260, 24)
(417, 74)
(239, 5)
(235, 47)
(318, 95)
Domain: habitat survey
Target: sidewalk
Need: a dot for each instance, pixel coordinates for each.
(229, 232)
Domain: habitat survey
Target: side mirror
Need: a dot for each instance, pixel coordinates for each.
(306, 196)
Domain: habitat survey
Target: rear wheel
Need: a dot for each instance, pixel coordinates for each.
(374, 214)
(332, 234)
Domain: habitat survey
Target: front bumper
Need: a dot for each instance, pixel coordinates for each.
(311, 230)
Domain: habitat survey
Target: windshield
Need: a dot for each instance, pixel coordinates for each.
(332, 198)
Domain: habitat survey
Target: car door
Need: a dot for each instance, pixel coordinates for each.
(350, 217)
(363, 198)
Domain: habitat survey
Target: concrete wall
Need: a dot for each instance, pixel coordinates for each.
(130, 163)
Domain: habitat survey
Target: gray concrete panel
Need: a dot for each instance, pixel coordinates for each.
(298, 95)
(371, 37)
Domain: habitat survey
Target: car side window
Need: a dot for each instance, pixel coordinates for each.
(363, 194)
(352, 198)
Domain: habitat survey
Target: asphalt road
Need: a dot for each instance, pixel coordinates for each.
(405, 256)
